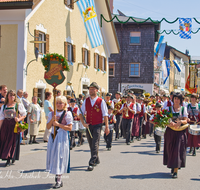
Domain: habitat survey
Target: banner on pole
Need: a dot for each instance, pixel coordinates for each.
(185, 26)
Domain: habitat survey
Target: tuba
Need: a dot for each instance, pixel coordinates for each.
(117, 107)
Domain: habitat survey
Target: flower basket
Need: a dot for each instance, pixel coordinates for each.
(22, 127)
(55, 57)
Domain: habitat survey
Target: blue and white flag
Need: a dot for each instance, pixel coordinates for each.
(158, 45)
(177, 66)
(185, 26)
(167, 62)
(89, 16)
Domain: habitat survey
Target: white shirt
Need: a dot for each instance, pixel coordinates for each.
(165, 104)
(25, 102)
(185, 113)
(21, 110)
(116, 100)
(68, 118)
(78, 111)
(134, 107)
(138, 107)
(104, 108)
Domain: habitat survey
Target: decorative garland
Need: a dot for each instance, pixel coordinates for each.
(173, 31)
(148, 19)
(55, 57)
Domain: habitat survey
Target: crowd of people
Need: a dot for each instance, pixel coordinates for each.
(130, 116)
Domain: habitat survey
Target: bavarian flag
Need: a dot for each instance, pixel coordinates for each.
(89, 16)
(185, 26)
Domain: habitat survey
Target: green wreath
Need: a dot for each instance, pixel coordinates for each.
(55, 57)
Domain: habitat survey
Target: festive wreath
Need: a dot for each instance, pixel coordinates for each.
(55, 57)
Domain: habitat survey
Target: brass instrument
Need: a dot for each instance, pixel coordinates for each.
(126, 115)
(108, 103)
(117, 107)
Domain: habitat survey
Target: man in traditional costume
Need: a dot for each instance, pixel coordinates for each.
(95, 109)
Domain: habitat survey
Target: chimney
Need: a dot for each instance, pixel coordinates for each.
(111, 6)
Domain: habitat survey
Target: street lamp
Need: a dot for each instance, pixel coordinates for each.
(36, 49)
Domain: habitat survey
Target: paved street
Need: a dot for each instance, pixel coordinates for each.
(124, 167)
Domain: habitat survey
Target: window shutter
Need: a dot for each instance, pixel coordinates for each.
(100, 62)
(73, 53)
(36, 34)
(46, 90)
(95, 65)
(72, 4)
(88, 58)
(83, 55)
(66, 50)
(47, 44)
(35, 92)
(105, 64)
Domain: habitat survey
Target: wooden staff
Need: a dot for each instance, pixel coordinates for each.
(54, 97)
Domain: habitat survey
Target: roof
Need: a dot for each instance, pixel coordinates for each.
(125, 18)
(16, 4)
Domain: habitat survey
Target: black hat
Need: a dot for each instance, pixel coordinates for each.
(164, 95)
(118, 93)
(152, 96)
(124, 96)
(171, 93)
(157, 94)
(109, 94)
(158, 105)
(72, 101)
(94, 84)
(110, 107)
(129, 95)
(139, 98)
(130, 91)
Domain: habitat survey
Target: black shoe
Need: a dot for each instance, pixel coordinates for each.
(90, 168)
(174, 175)
(56, 178)
(157, 151)
(194, 153)
(13, 161)
(30, 142)
(58, 185)
(109, 149)
(116, 139)
(35, 142)
(71, 147)
(128, 143)
(172, 170)
(45, 141)
(190, 151)
(7, 163)
(197, 148)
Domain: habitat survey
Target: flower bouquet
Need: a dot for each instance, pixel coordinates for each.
(162, 119)
(21, 127)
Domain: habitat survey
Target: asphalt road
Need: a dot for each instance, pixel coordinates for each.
(136, 166)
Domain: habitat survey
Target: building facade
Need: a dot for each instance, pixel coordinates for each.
(60, 25)
(133, 67)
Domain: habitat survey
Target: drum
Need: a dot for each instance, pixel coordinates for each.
(194, 129)
(82, 129)
(181, 128)
(160, 131)
(75, 126)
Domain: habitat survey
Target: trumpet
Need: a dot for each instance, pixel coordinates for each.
(126, 114)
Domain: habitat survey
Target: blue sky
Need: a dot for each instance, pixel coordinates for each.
(170, 9)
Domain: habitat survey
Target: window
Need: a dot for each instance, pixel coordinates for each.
(134, 70)
(69, 3)
(111, 69)
(97, 61)
(85, 56)
(39, 92)
(135, 38)
(69, 49)
(85, 89)
(41, 46)
(70, 52)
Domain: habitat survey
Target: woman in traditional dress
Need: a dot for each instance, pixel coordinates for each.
(58, 149)
(10, 141)
(34, 114)
(146, 124)
(175, 142)
(194, 116)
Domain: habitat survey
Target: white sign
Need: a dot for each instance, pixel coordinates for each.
(145, 87)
